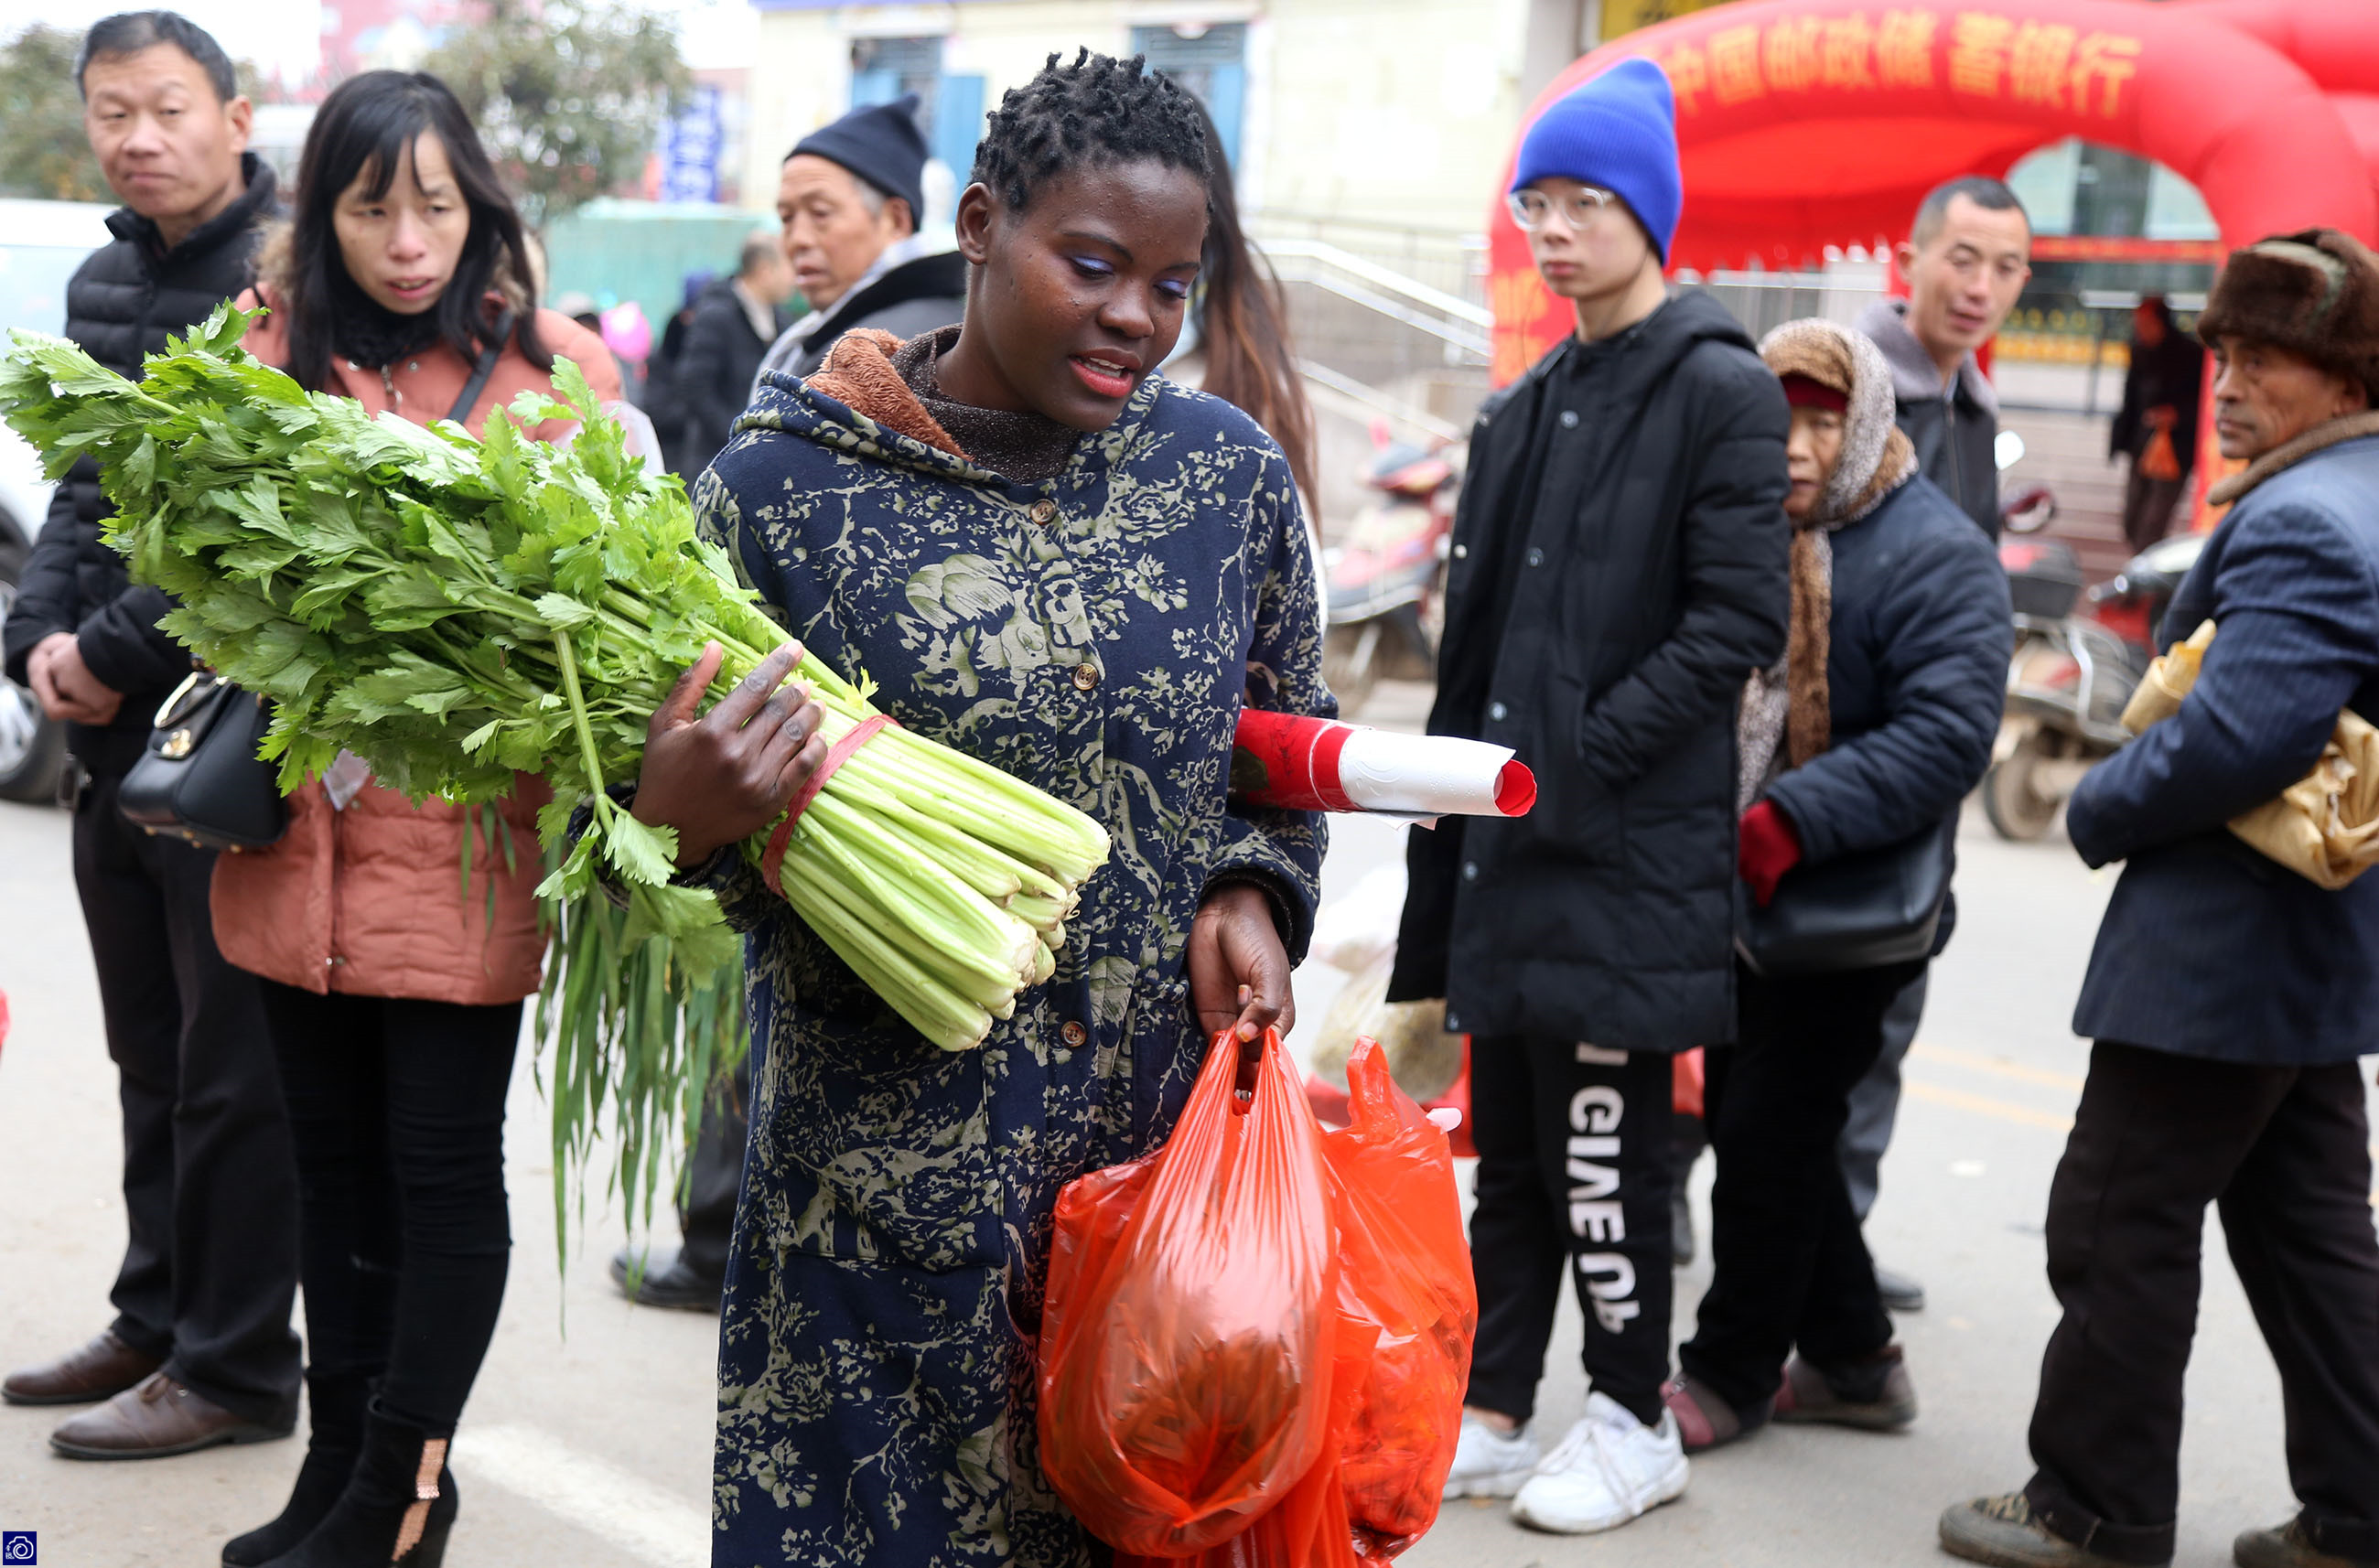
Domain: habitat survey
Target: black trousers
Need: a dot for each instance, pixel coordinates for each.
(397, 1109)
(715, 1174)
(210, 1270)
(1789, 1266)
(1573, 1172)
(2284, 1151)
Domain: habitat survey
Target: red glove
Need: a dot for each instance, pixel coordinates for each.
(1766, 848)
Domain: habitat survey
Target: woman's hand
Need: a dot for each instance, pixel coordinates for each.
(727, 774)
(1238, 971)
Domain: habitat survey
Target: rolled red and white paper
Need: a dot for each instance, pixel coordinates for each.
(1297, 764)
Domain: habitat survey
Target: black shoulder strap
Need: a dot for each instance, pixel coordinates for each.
(461, 412)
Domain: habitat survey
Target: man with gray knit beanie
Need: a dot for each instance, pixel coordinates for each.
(2230, 995)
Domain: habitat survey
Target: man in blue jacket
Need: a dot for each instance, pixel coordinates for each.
(2228, 996)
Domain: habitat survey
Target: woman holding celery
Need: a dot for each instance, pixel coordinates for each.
(394, 968)
(1072, 568)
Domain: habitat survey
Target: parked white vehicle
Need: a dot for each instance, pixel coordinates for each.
(42, 242)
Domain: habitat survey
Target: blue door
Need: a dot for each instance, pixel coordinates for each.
(958, 123)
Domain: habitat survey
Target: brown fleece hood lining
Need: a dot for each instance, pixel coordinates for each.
(858, 373)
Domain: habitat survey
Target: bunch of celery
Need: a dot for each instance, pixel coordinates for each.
(454, 611)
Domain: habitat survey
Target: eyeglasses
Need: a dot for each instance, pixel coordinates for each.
(1531, 207)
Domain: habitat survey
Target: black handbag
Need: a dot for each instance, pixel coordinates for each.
(200, 778)
(1861, 911)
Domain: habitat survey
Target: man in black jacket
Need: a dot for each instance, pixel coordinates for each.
(848, 198)
(734, 321)
(1966, 258)
(200, 1352)
(2230, 995)
(1619, 567)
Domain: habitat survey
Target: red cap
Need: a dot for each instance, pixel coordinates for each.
(1806, 392)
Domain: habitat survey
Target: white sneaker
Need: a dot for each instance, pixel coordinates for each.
(1610, 1468)
(1488, 1463)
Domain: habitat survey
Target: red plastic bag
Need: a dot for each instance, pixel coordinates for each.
(1405, 1284)
(1188, 1332)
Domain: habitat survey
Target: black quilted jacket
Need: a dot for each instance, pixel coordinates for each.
(122, 305)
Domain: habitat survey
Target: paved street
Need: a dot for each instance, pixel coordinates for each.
(588, 1441)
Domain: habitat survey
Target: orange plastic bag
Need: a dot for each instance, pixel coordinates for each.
(1406, 1314)
(1188, 1332)
(1405, 1282)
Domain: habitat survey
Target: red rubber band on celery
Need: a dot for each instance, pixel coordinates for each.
(773, 858)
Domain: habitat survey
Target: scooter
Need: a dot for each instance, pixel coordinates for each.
(1385, 578)
(2073, 672)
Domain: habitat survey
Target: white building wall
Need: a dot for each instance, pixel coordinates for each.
(1394, 112)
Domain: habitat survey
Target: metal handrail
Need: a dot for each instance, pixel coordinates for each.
(1364, 401)
(1379, 277)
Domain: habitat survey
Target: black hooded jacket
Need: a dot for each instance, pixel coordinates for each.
(122, 305)
(1620, 567)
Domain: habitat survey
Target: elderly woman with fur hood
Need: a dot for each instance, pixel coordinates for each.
(1869, 734)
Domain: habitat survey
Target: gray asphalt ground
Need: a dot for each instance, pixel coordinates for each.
(588, 1441)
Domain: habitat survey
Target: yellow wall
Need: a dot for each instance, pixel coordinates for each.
(1392, 111)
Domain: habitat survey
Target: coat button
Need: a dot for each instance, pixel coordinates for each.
(1073, 1035)
(1536, 557)
(1498, 712)
(1460, 551)
(1045, 510)
(1086, 677)
(1569, 418)
(1469, 870)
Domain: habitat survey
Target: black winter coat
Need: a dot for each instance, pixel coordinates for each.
(1916, 669)
(715, 370)
(1644, 582)
(121, 304)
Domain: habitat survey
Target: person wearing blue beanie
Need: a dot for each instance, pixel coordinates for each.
(1616, 133)
(1619, 560)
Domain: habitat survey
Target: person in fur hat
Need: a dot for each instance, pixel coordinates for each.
(1867, 733)
(2229, 998)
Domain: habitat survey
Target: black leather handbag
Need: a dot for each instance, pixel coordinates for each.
(1861, 911)
(200, 778)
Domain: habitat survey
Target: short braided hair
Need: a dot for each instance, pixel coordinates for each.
(1098, 110)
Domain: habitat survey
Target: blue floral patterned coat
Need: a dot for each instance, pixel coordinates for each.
(1095, 634)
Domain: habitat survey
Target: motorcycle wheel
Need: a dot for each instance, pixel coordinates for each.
(1350, 664)
(2017, 809)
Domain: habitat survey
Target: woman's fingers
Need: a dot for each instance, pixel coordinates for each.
(1212, 988)
(679, 706)
(753, 691)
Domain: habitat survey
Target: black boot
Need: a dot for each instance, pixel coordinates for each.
(334, 1407)
(397, 1510)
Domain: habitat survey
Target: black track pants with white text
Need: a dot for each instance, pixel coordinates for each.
(1573, 1172)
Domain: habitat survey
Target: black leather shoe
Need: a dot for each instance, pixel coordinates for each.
(667, 1281)
(1900, 1293)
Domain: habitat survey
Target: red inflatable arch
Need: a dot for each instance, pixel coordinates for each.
(1803, 124)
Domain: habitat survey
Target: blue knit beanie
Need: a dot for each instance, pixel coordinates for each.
(1618, 131)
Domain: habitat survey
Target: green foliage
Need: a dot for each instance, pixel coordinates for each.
(44, 153)
(570, 95)
(456, 612)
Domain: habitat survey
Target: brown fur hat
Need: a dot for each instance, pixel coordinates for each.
(2314, 293)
